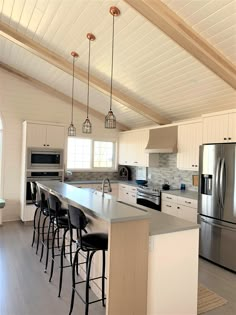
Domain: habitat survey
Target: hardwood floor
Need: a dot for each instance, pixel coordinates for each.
(25, 290)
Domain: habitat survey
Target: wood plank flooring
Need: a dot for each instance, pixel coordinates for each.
(25, 290)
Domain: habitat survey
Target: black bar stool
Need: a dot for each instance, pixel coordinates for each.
(59, 220)
(34, 197)
(47, 215)
(89, 243)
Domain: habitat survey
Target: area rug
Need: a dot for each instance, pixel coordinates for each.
(208, 300)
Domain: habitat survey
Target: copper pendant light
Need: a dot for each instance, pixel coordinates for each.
(87, 126)
(72, 129)
(110, 119)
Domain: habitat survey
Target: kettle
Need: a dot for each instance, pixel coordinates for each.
(166, 186)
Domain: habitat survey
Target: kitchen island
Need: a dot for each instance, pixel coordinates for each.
(158, 280)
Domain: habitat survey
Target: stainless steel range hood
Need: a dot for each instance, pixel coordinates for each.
(162, 140)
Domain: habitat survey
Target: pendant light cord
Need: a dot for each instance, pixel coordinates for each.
(88, 79)
(112, 61)
(73, 90)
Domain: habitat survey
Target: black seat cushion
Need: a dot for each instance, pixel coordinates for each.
(62, 221)
(97, 241)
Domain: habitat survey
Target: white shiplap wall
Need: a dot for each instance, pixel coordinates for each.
(20, 101)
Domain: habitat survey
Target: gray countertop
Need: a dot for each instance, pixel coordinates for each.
(106, 208)
(162, 223)
(99, 181)
(182, 193)
(109, 209)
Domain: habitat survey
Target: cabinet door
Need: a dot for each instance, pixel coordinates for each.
(189, 140)
(123, 148)
(187, 213)
(140, 139)
(169, 208)
(55, 136)
(36, 135)
(215, 129)
(123, 194)
(232, 127)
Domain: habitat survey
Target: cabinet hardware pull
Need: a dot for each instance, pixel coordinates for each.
(189, 202)
(135, 162)
(168, 198)
(229, 138)
(225, 138)
(195, 165)
(178, 207)
(169, 206)
(192, 165)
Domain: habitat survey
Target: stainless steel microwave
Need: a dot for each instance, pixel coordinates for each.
(41, 158)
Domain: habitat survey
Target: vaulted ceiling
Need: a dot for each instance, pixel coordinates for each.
(157, 79)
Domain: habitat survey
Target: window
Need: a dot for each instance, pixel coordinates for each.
(90, 154)
(79, 153)
(103, 154)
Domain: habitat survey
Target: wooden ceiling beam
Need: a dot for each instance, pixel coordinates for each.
(61, 63)
(172, 25)
(53, 92)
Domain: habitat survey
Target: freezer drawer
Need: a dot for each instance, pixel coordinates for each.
(218, 242)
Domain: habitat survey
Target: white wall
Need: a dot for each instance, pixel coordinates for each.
(20, 101)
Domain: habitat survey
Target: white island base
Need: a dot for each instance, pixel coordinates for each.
(173, 273)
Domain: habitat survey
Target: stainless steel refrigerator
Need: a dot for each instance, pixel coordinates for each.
(217, 203)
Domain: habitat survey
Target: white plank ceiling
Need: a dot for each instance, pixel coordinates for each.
(148, 65)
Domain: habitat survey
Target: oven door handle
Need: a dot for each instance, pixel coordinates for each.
(148, 198)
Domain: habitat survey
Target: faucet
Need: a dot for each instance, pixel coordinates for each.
(103, 185)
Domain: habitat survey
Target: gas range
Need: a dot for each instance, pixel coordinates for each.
(149, 190)
(149, 197)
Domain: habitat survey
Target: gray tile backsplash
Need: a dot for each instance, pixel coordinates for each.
(167, 171)
(156, 176)
(93, 176)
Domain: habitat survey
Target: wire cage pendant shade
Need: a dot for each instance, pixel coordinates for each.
(71, 128)
(87, 125)
(110, 118)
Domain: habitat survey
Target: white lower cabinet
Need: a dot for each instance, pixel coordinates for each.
(127, 193)
(181, 207)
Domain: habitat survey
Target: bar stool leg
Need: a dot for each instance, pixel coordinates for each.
(53, 254)
(73, 280)
(103, 276)
(35, 215)
(62, 257)
(43, 239)
(39, 221)
(48, 238)
(87, 283)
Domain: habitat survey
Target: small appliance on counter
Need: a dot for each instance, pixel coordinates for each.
(166, 186)
(124, 173)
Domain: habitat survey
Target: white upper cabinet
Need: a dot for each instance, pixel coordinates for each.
(219, 128)
(232, 128)
(189, 140)
(132, 146)
(41, 136)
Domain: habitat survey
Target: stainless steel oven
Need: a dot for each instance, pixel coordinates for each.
(148, 197)
(38, 158)
(36, 176)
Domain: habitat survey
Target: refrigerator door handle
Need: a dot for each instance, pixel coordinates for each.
(218, 180)
(222, 188)
(218, 225)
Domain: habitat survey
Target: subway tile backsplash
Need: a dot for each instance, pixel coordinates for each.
(167, 171)
(93, 176)
(156, 176)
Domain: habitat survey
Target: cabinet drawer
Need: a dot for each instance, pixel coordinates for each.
(187, 213)
(168, 197)
(169, 208)
(187, 202)
(132, 189)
